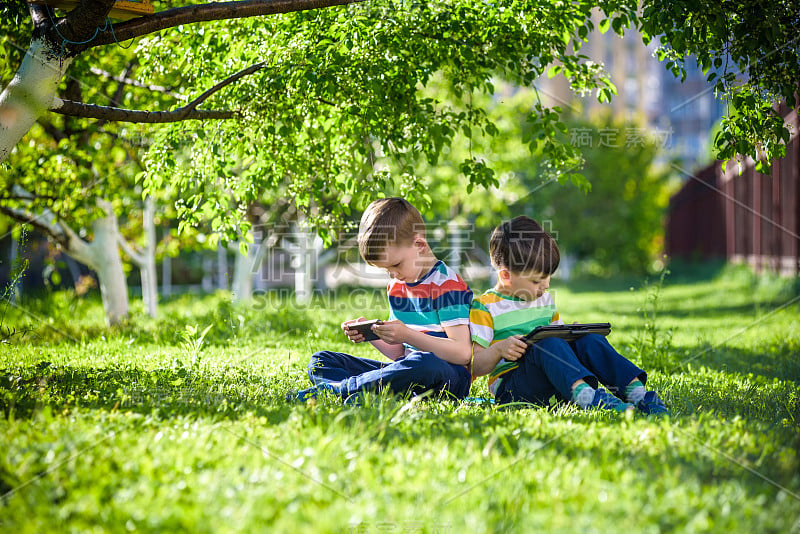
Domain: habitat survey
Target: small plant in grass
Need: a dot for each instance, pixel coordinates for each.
(654, 346)
(192, 343)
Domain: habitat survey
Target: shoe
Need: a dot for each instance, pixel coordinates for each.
(606, 401)
(652, 405)
(311, 393)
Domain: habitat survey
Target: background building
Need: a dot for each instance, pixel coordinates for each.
(681, 113)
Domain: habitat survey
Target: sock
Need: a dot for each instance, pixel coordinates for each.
(634, 392)
(582, 395)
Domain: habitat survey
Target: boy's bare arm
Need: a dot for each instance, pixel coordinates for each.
(393, 351)
(486, 359)
(455, 348)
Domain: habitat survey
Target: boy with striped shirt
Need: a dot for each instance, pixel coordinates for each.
(427, 335)
(525, 256)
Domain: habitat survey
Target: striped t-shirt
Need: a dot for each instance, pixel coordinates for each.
(437, 300)
(495, 317)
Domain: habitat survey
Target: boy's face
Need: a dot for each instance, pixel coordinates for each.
(526, 286)
(407, 263)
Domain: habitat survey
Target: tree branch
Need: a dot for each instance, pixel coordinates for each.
(187, 112)
(170, 18)
(91, 111)
(79, 23)
(26, 196)
(136, 257)
(45, 223)
(227, 81)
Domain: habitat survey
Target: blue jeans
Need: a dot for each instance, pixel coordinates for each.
(419, 371)
(550, 367)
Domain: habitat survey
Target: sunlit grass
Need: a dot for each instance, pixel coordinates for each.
(138, 428)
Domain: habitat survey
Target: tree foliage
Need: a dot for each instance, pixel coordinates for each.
(755, 45)
(618, 225)
(320, 95)
(344, 88)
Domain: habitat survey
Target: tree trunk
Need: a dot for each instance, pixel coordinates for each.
(108, 265)
(30, 93)
(456, 239)
(246, 267)
(222, 268)
(148, 268)
(305, 258)
(102, 256)
(208, 274)
(166, 276)
(146, 260)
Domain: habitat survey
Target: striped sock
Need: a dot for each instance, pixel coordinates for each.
(634, 392)
(582, 395)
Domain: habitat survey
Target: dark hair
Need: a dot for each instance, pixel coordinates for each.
(521, 245)
(387, 221)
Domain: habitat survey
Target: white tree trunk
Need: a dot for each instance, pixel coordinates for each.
(222, 267)
(148, 268)
(305, 253)
(31, 92)
(456, 245)
(166, 276)
(102, 256)
(246, 267)
(146, 259)
(108, 265)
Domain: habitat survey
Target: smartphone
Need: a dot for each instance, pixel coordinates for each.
(365, 329)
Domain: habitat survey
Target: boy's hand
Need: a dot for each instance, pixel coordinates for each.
(511, 349)
(353, 335)
(392, 332)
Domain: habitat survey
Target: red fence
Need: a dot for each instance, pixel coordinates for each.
(743, 218)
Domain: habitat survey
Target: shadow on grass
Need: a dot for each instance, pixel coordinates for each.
(163, 393)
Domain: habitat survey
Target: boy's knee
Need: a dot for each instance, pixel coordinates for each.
(591, 340)
(318, 359)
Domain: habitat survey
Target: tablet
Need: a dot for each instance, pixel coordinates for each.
(568, 332)
(365, 329)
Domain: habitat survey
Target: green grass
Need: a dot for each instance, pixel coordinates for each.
(147, 427)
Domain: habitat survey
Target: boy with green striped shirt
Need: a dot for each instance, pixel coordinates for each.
(525, 256)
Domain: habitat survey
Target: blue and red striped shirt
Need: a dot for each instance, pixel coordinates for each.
(437, 300)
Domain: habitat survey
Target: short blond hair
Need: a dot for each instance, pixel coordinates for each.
(387, 222)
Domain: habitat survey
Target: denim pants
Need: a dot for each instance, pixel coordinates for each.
(418, 372)
(550, 367)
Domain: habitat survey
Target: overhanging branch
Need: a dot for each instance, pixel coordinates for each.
(227, 81)
(42, 222)
(170, 18)
(187, 112)
(92, 111)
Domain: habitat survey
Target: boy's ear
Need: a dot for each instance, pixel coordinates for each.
(420, 242)
(504, 274)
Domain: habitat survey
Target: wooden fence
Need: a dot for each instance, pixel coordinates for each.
(745, 217)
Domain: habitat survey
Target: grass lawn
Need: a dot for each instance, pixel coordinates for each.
(153, 427)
